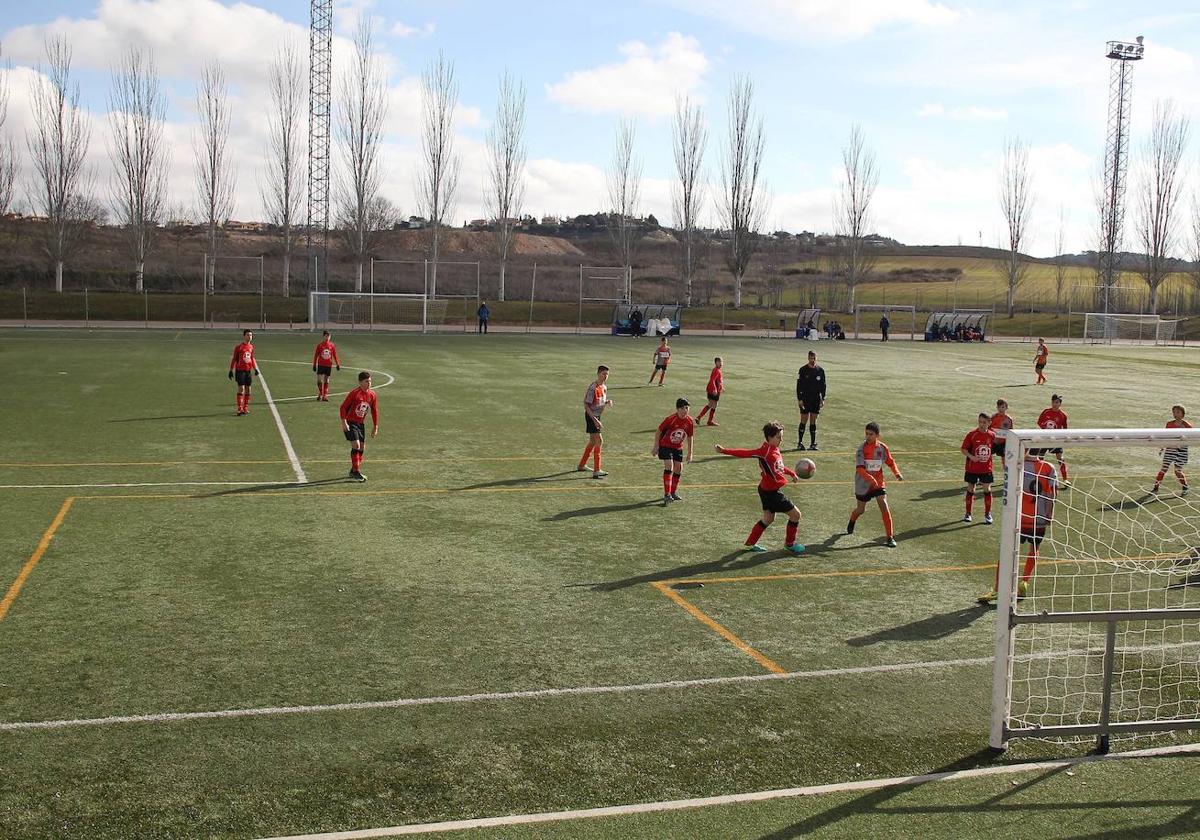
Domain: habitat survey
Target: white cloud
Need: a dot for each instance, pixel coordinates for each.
(804, 20)
(971, 113)
(402, 30)
(646, 83)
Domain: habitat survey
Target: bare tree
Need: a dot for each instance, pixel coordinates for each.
(360, 130)
(284, 180)
(58, 145)
(743, 200)
(1194, 252)
(1060, 264)
(506, 167)
(214, 175)
(438, 179)
(852, 211)
(8, 152)
(137, 111)
(624, 179)
(1016, 205)
(1158, 195)
(690, 136)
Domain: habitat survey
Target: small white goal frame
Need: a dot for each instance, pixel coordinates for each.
(886, 308)
(1149, 327)
(315, 319)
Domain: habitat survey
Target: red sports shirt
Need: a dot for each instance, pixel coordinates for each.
(356, 405)
(674, 430)
(770, 461)
(1052, 418)
(243, 357)
(326, 355)
(1038, 490)
(1001, 422)
(662, 356)
(979, 444)
(1042, 353)
(716, 382)
(1178, 424)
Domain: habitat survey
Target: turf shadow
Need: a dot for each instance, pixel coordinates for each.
(563, 516)
(280, 485)
(516, 482)
(941, 528)
(946, 493)
(1129, 504)
(732, 561)
(171, 417)
(937, 626)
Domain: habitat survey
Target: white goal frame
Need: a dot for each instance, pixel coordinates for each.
(315, 320)
(880, 307)
(1104, 327)
(1017, 444)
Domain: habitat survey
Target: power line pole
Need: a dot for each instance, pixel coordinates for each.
(320, 84)
(1116, 161)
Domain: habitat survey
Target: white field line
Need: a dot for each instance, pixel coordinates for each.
(390, 380)
(141, 484)
(287, 441)
(741, 798)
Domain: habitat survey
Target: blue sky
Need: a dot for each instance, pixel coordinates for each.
(936, 87)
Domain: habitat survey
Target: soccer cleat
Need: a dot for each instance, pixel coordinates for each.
(1154, 489)
(966, 517)
(581, 468)
(795, 548)
(800, 446)
(675, 497)
(987, 519)
(850, 527)
(756, 548)
(891, 542)
(812, 447)
(599, 474)
(1022, 589)
(989, 598)
(1184, 491)
(712, 423)
(667, 499)
(357, 476)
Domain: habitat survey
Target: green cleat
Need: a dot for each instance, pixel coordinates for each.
(989, 598)
(757, 549)
(795, 548)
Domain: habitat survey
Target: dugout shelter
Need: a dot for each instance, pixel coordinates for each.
(950, 326)
(657, 318)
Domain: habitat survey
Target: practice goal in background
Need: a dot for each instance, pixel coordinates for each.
(1104, 644)
(872, 323)
(361, 310)
(1101, 327)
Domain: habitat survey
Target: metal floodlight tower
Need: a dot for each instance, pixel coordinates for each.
(1116, 161)
(320, 84)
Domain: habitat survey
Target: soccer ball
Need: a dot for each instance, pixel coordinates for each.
(806, 468)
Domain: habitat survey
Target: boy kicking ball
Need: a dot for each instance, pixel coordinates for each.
(775, 476)
(868, 480)
(668, 446)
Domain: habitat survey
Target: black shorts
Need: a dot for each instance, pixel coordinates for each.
(1040, 368)
(357, 431)
(1033, 536)
(242, 377)
(666, 454)
(660, 367)
(324, 370)
(775, 501)
(873, 493)
(998, 448)
(978, 478)
(590, 425)
(714, 397)
(810, 405)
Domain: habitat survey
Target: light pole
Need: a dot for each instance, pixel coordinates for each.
(1116, 156)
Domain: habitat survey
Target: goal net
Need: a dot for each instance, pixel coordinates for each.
(872, 314)
(1098, 630)
(1100, 327)
(361, 310)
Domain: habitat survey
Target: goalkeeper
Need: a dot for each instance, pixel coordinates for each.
(1039, 489)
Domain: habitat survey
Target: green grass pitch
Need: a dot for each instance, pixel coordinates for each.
(187, 575)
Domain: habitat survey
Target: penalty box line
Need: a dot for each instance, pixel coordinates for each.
(44, 543)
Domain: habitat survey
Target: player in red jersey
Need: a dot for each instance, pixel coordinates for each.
(869, 461)
(240, 368)
(775, 476)
(1038, 492)
(999, 424)
(716, 387)
(1174, 456)
(977, 446)
(668, 447)
(354, 421)
(325, 357)
(662, 358)
(1039, 361)
(1055, 418)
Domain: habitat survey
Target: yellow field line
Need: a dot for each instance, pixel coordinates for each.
(719, 629)
(42, 545)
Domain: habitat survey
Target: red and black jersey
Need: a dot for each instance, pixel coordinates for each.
(716, 382)
(243, 357)
(356, 405)
(979, 444)
(326, 355)
(1052, 418)
(1043, 352)
(770, 461)
(674, 430)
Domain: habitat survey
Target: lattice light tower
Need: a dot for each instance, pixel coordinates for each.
(320, 83)
(1116, 162)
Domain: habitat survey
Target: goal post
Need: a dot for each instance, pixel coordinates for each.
(1102, 640)
(886, 309)
(362, 310)
(1105, 327)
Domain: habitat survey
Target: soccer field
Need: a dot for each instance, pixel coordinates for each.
(195, 644)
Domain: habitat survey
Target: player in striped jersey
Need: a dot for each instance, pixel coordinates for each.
(1174, 456)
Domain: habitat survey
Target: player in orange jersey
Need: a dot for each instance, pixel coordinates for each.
(1039, 489)
(868, 480)
(662, 358)
(595, 400)
(716, 387)
(354, 422)
(977, 447)
(775, 476)
(240, 368)
(668, 447)
(1174, 456)
(325, 357)
(1039, 361)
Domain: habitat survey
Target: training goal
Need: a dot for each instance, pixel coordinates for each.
(897, 317)
(362, 310)
(1098, 639)
(1102, 327)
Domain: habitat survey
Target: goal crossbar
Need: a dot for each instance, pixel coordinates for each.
(886, 309)
(368, 309)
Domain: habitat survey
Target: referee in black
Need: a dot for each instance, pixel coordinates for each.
(810, 394)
